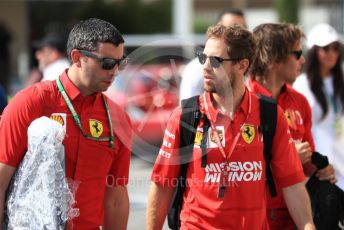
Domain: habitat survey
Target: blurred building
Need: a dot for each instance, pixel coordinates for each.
(16, 17)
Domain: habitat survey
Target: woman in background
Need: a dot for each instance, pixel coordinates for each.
(323, 85)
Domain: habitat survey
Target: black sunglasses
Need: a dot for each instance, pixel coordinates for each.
(297, 53)
(107, 63)
(214, 61)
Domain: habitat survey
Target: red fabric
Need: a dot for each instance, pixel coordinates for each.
(244, 203)
(89, 162)
(298, 114)
(280, 219)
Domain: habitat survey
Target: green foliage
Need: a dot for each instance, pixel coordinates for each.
(50, 16)
(200, 26)
(287, 10)
(129, 16)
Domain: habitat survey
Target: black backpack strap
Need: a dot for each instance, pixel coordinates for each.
(268, 121)
(204, 141)
(188, 127)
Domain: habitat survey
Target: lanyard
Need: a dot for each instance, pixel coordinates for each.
(224, 174)
(77, 119)
(216, 136)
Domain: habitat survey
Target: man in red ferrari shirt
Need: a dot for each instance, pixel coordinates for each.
(279, 60)
(98, 137)
(235, 161)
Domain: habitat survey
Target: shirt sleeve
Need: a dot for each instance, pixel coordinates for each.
(120, 168)
(18, 115)
(286, 165)
(307, 119)
(166, 168)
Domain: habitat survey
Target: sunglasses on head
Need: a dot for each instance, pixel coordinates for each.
(107, 63)
(214, 60)
(297, 53)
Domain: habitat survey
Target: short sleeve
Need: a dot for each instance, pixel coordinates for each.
(166, 168)
(286, 165)
(26, 106)
(119, 171)
(307, 119)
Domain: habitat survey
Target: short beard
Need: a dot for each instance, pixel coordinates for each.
(222, 90)
(209, 88)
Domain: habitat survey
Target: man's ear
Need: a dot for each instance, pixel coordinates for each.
(243, 65)
(75, 56)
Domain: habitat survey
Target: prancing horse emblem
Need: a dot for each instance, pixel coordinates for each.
(96, 128)
(248, 133)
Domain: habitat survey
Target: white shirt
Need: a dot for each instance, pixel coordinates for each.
(326, 141)
(192, 80)
(53, 70)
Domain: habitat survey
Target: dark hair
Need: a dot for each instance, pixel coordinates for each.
(316, 84)
(53, 40)
(233, 11)
(274, 41)
(87, 34)
(240, 42)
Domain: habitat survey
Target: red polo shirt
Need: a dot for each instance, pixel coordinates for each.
(92, 163)
(244, 203)
(298, 114)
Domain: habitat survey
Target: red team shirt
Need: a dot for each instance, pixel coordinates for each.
(244, 202)
(298, 114)
(89, 162)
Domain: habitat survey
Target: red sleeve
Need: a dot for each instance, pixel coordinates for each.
(26, 106)
(119, 171)
(166, 168)
(307, 119)
(286, 165)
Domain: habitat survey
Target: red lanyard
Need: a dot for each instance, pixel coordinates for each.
(224, 174)
(216, 136)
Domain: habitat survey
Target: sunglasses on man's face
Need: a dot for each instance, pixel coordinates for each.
(214, 60)
(107, 63)
(297, 53)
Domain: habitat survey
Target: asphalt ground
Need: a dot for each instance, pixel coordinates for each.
(138, 188)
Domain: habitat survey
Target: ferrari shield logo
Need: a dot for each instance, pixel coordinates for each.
(248, 133)
(96, 128)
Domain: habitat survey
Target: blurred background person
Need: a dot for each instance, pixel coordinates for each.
(5, 40)
(51, 57)
(34, 76)
(3, 99)
(192, 76)
(279, 60)
(141, 98)
(322, 84)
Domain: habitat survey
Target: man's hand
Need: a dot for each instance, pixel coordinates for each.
(305, 152)
(327, 174)
(6, 173)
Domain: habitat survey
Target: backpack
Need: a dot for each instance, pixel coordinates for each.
(189, 121)
(327, 199)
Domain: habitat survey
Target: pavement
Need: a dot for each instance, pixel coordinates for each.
(138, 188)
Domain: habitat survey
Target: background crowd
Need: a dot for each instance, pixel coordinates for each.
(309, 73)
